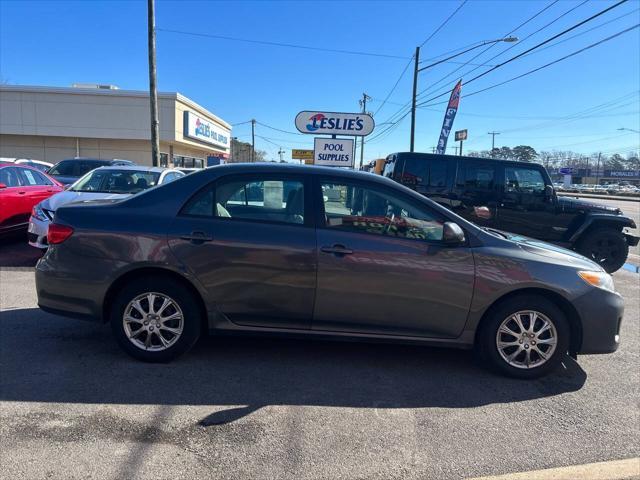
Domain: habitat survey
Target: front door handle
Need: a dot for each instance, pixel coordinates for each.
(197, 237)
(337, 250)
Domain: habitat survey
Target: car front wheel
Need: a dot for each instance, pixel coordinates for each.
(524, 337)
(155, 319)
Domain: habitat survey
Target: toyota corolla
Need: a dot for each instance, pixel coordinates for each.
(312, 251)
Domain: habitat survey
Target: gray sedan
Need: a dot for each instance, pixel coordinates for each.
(259, 248)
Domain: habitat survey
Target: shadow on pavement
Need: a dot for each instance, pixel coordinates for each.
(46, 358)
(16, 252)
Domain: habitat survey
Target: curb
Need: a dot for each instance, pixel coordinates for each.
(613, 470)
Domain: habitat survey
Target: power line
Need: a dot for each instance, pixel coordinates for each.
(486, 72)
(394, 86)
(279, 129)
(533, 17)
(398, 112)
(280, 44)
(585, 32)
(572, 54)
(444, 23)
(545, 26)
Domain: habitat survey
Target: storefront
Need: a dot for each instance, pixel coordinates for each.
(54, 123)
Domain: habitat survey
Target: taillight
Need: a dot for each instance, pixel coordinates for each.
(58, 233)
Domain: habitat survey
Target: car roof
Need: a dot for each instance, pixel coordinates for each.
(137, 168)
(459, 157)
(89, 159)
(291, 168)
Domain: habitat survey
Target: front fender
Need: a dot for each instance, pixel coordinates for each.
(602, 219)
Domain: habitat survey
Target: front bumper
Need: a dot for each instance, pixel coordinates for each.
(601, 314)
(632, 241)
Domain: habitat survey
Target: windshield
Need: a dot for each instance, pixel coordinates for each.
(116, 181)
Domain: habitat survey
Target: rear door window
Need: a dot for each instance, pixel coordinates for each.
(64, 168)
(9, 176)
(476, 176)
(438, 173)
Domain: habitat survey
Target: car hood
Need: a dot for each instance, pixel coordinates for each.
(64, 198)
(575, 204)
(548, 250)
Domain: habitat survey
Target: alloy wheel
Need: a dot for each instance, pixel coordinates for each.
(153, 321)
(526, 339)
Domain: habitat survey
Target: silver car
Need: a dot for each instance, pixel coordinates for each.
(104, 183)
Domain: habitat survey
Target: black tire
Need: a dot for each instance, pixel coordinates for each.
(607, 247)
(487, 336)
(175, 291)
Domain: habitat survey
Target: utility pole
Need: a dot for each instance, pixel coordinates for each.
(493, 140)
(598, 167)
(280, 153)
(413, 99)
(363, 104)
(253, 140)
(153, 91)
(460, 151)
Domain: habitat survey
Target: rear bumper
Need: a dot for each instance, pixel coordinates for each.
(601, 315)
(77, 293)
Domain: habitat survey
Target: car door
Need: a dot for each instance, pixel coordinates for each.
(526, 208)
(12, 200)
(475, 194)
(36, 186)
(382, 265)
(250, 241)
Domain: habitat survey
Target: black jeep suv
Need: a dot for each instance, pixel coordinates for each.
(516, 197)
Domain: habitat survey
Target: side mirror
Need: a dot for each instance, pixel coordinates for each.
(548, 190)
(452, 234)
(2, 185)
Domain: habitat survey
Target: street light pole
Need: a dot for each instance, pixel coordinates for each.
(153, 91)
(413, 99)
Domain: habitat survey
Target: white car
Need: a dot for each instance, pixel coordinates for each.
(104, 183)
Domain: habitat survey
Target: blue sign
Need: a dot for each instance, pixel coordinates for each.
(565, 171)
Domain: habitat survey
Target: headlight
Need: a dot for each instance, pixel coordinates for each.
(598, 279)
(38, 213)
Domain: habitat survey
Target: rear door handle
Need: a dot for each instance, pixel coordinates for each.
(197, 237)
(22, 192)
(337, 250)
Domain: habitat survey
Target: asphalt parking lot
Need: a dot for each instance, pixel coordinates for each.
(73, 406)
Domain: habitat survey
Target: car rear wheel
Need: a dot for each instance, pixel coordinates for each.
(605, 246)
(155, 319)
(524, 337)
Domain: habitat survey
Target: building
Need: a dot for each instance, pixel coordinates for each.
(101, 121)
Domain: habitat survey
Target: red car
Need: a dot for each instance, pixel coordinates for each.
(20, 189)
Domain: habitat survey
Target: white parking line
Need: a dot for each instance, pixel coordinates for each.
(613, 470)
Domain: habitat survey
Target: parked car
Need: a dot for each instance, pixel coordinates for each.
(517, 197)
(21, 188)
(29, 162)
(104, 183)
(68, 171)
(372, 260)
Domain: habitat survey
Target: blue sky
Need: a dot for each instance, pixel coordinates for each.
(577, 104)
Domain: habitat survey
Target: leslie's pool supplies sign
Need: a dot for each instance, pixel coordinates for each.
(333, 152)
(334, 123)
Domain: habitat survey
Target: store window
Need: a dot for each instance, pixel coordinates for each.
(164, 159)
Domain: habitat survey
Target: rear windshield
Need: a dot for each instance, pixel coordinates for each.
(76, 168)
(116, 181)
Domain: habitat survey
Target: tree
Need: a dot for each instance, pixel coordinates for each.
(524, 153)
(615, 162)
(241, 152)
